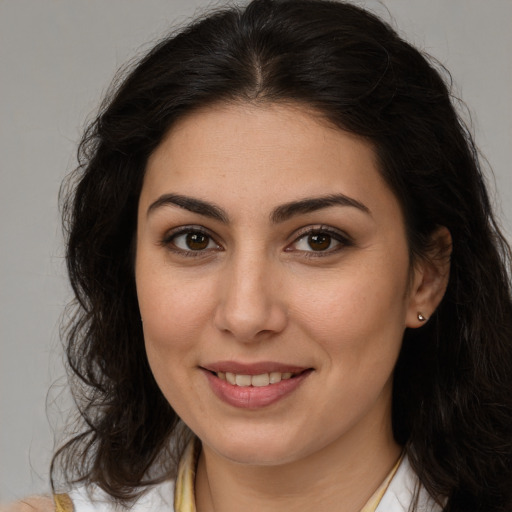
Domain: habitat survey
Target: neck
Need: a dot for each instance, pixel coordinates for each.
(343, 475)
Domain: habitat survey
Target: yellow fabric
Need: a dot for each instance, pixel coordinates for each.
(63, 503)
(184, 497)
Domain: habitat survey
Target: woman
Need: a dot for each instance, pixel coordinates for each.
(289, 280)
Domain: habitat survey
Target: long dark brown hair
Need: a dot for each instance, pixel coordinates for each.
(452, 402)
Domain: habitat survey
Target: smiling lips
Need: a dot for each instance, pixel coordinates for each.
(253, 386)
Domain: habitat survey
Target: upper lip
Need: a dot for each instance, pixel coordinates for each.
(256, 368)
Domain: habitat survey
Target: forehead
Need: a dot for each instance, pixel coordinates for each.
(261, 155)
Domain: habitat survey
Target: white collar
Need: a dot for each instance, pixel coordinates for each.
(400, 493)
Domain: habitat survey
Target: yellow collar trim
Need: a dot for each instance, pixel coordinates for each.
(63, 503)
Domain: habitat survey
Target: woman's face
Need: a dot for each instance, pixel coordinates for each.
(267, 245)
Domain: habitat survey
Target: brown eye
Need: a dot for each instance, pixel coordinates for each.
(192, 241)
(197, 241)
(323, 241)
(319, 241)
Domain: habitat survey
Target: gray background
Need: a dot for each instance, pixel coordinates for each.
(56, 58)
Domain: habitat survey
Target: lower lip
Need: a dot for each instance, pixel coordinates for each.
(252, 397)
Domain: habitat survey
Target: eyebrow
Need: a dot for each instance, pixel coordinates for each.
(192, 205)
(279, 214)
(311, 204)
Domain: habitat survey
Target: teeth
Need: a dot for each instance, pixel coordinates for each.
(254, 380)
(243, 380)
(275, 377)
(260, 380)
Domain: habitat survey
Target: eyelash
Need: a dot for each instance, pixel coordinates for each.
(340, 238)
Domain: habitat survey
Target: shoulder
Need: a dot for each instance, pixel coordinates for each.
(401, 492)
(91, 499)
(32, 504)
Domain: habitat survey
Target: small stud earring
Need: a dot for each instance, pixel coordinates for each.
(421, 318)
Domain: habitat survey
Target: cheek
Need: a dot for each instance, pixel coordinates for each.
(174, 314)
(356, 314)
(174, 309)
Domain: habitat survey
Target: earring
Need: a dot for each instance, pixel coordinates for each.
(421, 318)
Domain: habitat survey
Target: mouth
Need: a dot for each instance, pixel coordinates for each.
(250, 386)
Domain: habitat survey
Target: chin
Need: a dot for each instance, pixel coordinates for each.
(255, 456)
(257, 448)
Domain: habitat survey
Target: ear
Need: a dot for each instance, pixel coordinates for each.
(429, 279)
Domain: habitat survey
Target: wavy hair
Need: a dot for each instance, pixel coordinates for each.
(452, 399)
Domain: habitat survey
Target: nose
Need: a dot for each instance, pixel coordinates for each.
(251, 305)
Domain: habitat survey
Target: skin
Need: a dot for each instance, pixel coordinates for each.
(259, 292)
(32, 504)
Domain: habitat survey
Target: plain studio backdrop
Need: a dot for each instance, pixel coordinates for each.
(57, 58)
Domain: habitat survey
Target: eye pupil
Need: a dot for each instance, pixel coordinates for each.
(197, 241)
(319, 241)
